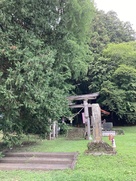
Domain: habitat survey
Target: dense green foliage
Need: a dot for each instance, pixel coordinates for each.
(112, 70)
(50, 49)
(108, 28)
(114, 75)
(43, 46)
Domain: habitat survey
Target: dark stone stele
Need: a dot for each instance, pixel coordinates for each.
(100, 148)
(107, 126)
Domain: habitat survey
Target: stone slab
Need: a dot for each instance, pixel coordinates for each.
(20, 166)
(38, 161)
(107, 133)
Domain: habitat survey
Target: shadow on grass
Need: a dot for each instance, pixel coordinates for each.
(25, 144)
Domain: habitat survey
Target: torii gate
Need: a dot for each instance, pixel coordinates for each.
(96, 114)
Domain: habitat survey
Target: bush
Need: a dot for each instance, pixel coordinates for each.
(63, 128)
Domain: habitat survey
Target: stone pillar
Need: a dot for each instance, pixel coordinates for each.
(96, 120)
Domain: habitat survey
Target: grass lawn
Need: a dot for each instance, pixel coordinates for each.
(120, 167)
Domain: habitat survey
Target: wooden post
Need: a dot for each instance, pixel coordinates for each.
(96, 120)
(87, 118)
(54, 129)
(50, 129)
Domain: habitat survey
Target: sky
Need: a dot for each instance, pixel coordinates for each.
(125, 9)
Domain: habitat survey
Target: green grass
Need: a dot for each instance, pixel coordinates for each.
(120, 167)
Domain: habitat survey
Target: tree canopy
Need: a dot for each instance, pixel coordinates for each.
(114, 75)
(50, 49)
(44, 44)
(108, 28)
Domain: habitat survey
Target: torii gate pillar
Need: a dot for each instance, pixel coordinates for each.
(87, 119)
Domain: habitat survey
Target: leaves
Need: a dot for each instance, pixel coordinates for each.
(108, 28)
(43, 47)
(114, 75)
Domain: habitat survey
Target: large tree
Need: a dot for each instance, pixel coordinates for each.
(114, 75)
(44, 44)
(108, 28)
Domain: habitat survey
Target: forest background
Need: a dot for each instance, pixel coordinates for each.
(52, 49)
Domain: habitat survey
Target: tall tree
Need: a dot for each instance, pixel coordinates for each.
(43, 46)
(114, 75)
(108, 28)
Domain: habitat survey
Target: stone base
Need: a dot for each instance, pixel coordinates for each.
(100, 148)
